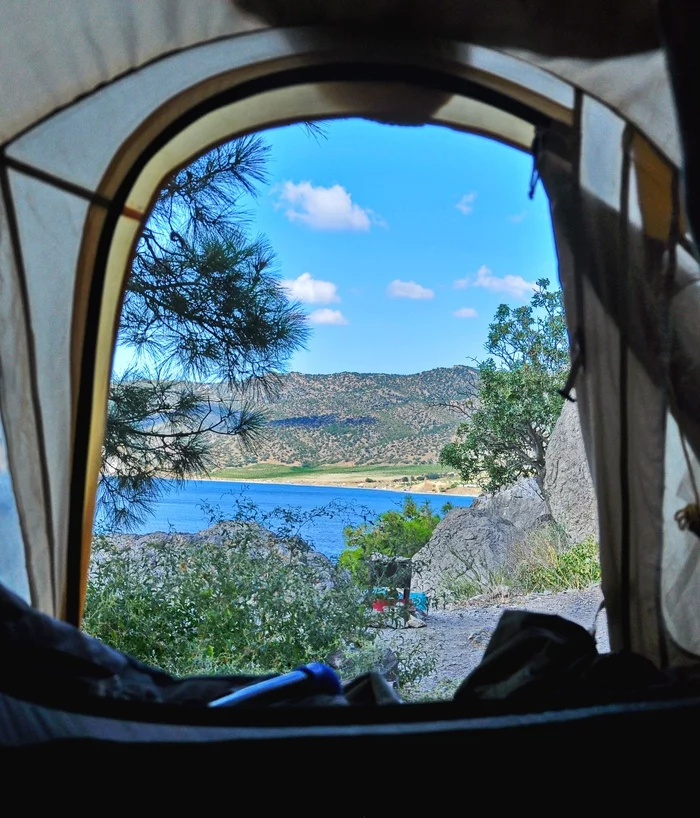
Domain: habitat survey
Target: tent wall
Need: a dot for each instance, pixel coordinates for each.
(101, 100)
(13, 565)
(619, 230)
(22, 421)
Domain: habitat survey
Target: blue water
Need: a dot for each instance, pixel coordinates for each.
(281, 507)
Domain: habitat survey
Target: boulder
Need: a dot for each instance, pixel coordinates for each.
(468, 546)
(257, 541)
(568, 483)
(522, 504)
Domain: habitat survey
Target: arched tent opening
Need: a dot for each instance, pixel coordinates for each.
(123, 96)
(171, 127)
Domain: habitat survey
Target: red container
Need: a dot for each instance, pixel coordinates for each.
(382, 604)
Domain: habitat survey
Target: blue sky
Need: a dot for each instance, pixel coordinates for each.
(406, 238)
(401, 242)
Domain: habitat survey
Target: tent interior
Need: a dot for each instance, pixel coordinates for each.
(100, 101)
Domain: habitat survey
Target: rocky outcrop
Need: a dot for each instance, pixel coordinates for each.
(471, 545)
(466, 547)
(222, 533)
(522, 504)
(568, 483)
(251, 536)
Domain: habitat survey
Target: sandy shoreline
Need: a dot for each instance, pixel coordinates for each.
(423, 487)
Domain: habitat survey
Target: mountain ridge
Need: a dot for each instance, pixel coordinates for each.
(355, 418)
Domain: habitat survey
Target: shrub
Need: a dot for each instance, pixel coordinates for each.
(237, 606)
(243, 600)
(394, 534)
(552, 569)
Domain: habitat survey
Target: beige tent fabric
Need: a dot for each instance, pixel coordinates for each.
(45, 216)
(597, 28)
(636, 87)
(613, 235)
(680, 582)
(96, 102)
(13, 566)
(53, 53)
(24, 430)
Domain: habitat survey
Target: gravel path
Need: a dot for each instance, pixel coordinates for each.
(458, 636)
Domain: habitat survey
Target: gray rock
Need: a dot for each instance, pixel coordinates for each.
(257, 541)
(480, 636)
(415, 622)
(568, 483)
(336, 658)
(242, 533)
(522, 504)
(388, 665)
(466, 547)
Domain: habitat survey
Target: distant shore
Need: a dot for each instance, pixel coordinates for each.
(388, 478)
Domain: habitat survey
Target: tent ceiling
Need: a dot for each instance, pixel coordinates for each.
(57, 53)
(78, 143)
(597, 29)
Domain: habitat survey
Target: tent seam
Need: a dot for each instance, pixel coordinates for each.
(67, 186)
(21, 276)
(625, 561)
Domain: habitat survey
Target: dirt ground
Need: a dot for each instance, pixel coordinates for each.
(458, 636)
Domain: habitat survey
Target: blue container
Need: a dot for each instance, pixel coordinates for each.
(420, 601)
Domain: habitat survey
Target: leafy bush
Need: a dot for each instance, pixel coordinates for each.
(236, 606)
(239, 600)
(508, 424)
(576, 567)
(414, 661)
(394, 534)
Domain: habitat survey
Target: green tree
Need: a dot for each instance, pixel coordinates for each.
(209, 326)
(394, 534)
(511, 418)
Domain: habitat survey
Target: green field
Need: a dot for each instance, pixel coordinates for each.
(268, 471)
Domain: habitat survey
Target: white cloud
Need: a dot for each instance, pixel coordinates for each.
(408, 289)
(325, 208)
(465, 312)
(518, 217)
(326, 316)
(515, 286)
(310, 290)
(466, 203)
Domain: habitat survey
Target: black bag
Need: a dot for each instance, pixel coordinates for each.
(545, 658)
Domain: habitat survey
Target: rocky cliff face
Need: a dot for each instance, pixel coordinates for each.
(568, 483)
(467, 547)
(471, 544)
(522, 504)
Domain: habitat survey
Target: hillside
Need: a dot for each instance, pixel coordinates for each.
(356, 419)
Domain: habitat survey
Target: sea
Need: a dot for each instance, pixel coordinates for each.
(318, 514)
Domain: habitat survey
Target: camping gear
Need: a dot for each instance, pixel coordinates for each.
(419, 600)
(100, 100)
(415, 599)
(395, 572)
(313, 679)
